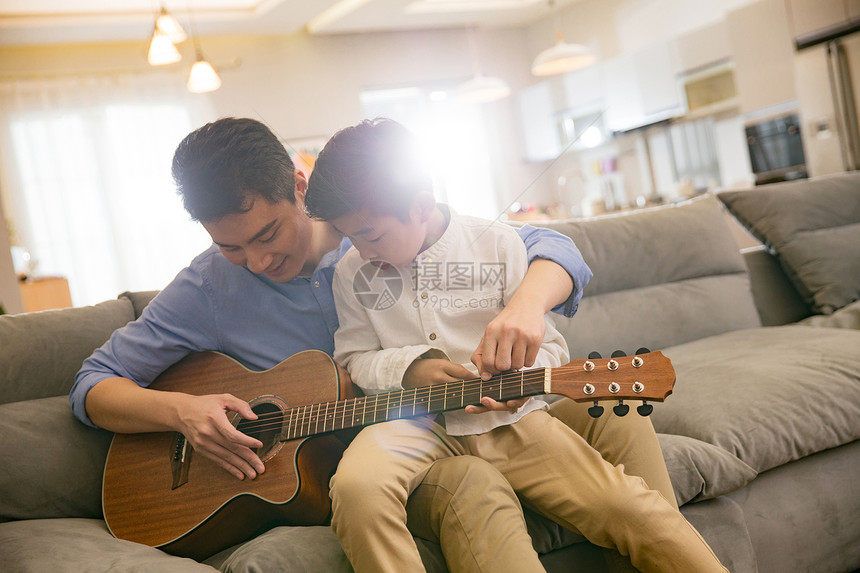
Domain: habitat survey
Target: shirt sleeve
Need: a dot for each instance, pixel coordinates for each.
(548, 244)
(358, 348)
(177, 321)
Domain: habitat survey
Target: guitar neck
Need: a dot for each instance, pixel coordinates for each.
(316, 419)
(643, 377)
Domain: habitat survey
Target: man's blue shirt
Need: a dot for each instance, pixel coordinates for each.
(215, 305)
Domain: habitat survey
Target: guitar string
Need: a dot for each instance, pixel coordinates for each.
(314, 414)
(341, 406)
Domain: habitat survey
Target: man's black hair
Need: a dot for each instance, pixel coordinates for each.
(218, 166)
(372, 165)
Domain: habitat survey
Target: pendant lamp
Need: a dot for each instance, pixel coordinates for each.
(169, 26)
(562, 57)
(481, 88)
(166, 33)
(203, 77)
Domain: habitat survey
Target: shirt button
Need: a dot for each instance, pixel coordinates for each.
(432, 336)
(316, 284)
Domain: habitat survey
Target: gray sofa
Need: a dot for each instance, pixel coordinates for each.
(760, 435)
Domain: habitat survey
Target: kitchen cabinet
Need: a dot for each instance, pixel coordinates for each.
(642, 87)
(584, 89)
(541, 136)
(812, 16)
(763, 53)
(703, 48)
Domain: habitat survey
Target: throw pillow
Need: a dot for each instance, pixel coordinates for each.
(701, 471)
(814, 228)
(52, 464)
(767, 395)
(845, 317)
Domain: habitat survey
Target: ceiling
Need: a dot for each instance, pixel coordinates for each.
(31, 22)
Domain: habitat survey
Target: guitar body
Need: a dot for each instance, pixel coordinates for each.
(158, 492)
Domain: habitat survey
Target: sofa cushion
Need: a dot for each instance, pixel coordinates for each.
(776, 299)
(63, 338)
(768, 395)
(51, 464)
(721, 521)
(700, 471)
(814, 228)
(804, 516)
(846, 317)
(697, 286)
(294, 549)
(74, 545)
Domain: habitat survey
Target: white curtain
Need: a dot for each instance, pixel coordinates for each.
(86, 178)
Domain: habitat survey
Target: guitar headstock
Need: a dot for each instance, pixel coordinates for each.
(643, 376)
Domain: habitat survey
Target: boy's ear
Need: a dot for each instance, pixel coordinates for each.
(425, 202)
(301, 187)
(301, 182)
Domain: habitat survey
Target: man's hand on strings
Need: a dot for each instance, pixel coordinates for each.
(206, 425)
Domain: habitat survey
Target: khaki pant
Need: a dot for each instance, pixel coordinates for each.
(553, 469)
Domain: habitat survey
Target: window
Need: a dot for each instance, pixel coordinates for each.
(91, 193)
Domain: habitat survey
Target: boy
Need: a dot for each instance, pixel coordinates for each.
(441, 278)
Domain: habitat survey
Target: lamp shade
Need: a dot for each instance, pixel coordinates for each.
(161, 50)
(561, 58)
(483, 89)
(169, 26)
(203, 77)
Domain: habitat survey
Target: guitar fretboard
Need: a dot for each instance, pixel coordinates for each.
(315, 419)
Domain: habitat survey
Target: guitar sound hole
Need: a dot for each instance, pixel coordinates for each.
(266, 428)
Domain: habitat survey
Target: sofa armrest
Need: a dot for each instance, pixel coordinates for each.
(139, 300)
(776, 299)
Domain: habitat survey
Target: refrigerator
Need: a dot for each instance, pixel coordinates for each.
(828, 92)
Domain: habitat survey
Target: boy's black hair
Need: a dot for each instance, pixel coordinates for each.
(217, 166)
(372, 165)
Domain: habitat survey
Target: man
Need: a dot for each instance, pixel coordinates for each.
(262, 293)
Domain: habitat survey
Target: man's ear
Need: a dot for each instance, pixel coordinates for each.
(425, 202)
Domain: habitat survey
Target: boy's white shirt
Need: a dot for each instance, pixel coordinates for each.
(377, 346)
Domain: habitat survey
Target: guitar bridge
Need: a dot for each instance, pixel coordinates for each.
(180, 460)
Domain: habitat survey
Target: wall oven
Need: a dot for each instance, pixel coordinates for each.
(776, 149)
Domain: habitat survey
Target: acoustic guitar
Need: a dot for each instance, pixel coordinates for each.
(156, 491)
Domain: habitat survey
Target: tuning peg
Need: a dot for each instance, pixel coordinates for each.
(621, 409)
(595, 411)
(645, 409)
(643, 350)
(594, 356)
(618, 354)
